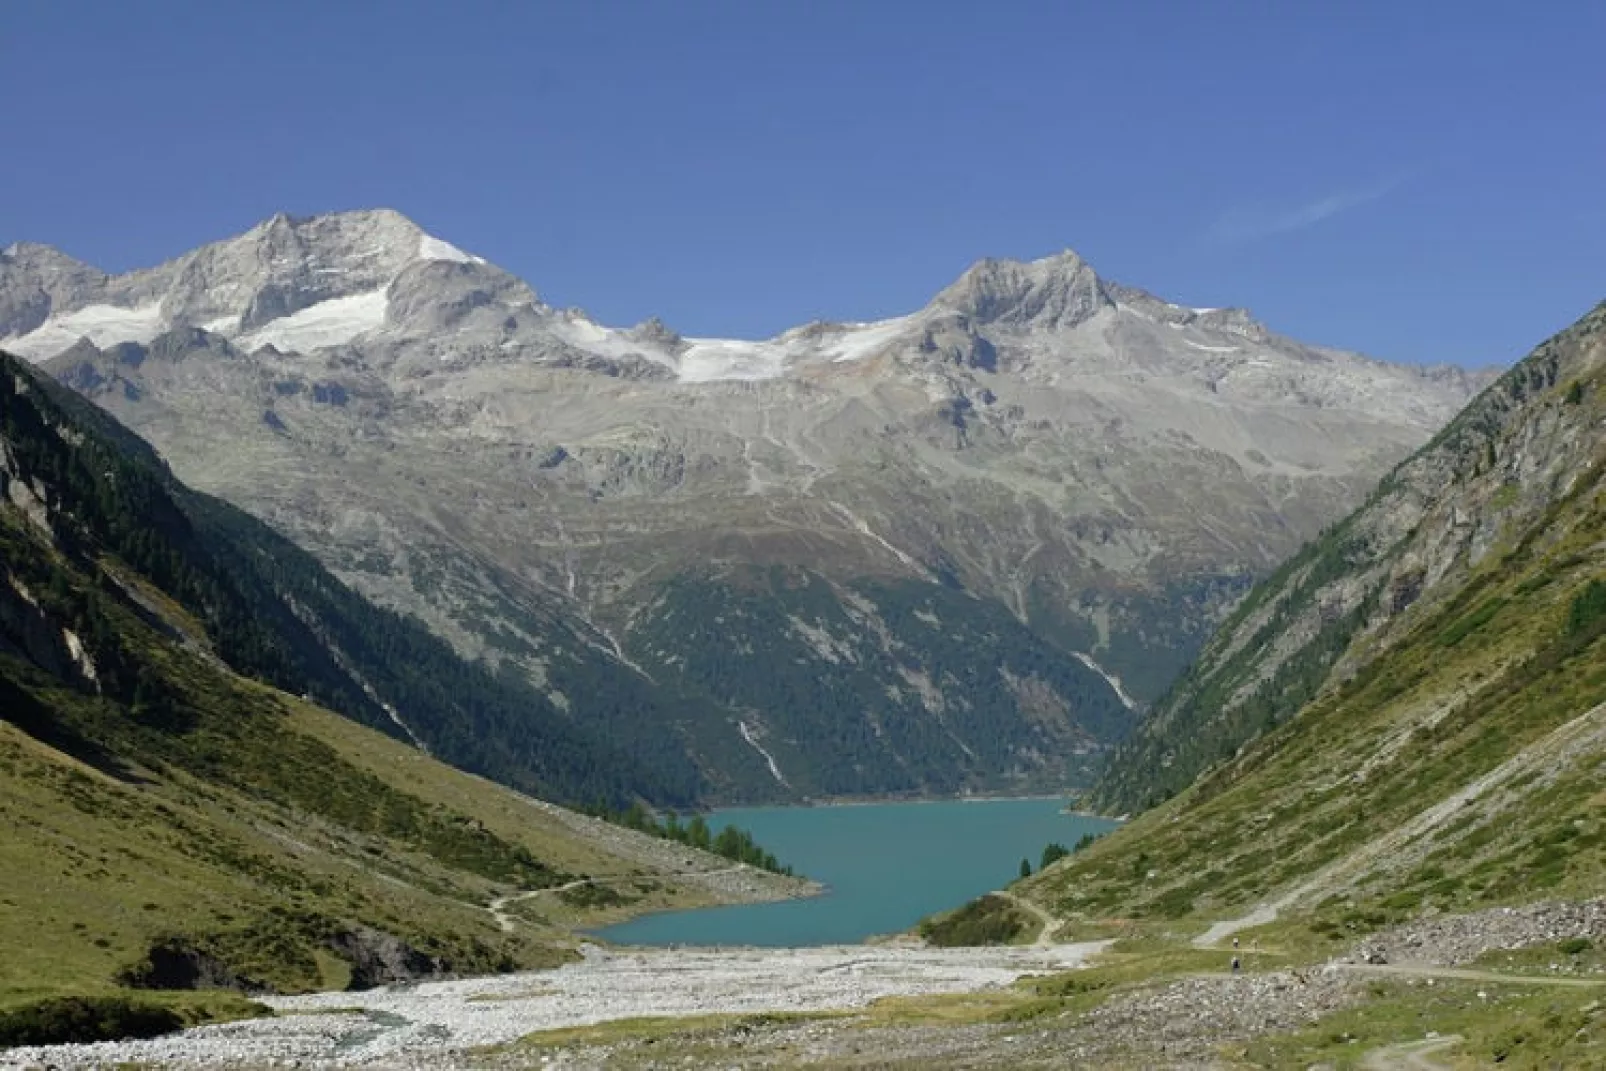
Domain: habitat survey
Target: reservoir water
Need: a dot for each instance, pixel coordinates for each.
(886, 865)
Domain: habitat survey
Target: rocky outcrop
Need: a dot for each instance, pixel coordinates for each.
(175, 963)
(1454, 940)
(1058, 292)
(27, 631)
(378, 958)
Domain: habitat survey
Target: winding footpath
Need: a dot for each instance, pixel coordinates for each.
(1412, 1055)
(1050, 924)
(1462, 974)
(498, 907)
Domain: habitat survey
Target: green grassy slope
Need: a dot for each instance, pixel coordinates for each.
(1430, 734)
(237, 821)
(259, 830)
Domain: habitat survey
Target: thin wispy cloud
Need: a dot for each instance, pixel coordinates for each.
(1251, 222)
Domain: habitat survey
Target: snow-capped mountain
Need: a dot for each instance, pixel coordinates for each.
(291, 284)
(856, 557)
(376, 280)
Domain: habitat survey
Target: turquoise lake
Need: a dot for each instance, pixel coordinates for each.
(886, 866)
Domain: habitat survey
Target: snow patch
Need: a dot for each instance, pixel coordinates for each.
(590, 337)
(104, 325)
(328, 323)
(80, 654)
(432, 248)
(752, 742)
(1212, 349)
(709, 359)
(1109, 678)
(395, 716)
(864, 529)
(863, 340)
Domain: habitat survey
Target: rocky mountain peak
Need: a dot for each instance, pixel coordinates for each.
(1233, 319)
(1057, 291)
(654, 332)
(1239, 321)
(297, 282)
(34, 253)
(33, 278)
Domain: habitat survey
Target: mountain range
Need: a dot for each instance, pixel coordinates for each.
(956, 550)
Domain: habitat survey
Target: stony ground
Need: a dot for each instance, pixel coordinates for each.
(1450, 940)
(772, 1008)
(434, 1024)
(1183, 1024)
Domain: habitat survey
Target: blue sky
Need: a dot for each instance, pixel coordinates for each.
(1422, 181)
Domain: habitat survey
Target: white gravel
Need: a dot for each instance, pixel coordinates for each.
(423, 1025)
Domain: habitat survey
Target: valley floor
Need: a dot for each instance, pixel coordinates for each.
(1522, 987)
(437, 1024)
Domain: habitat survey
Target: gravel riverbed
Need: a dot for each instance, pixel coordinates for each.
(425, 1025)
(1178, 1023)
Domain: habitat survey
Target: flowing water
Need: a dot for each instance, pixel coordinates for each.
(887, 865)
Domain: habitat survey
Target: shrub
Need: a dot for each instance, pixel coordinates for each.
(1587, 610)
(593, 895)
(988, 920)
(1463, 627)
(65, 1020)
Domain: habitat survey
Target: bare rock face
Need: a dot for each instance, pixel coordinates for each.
(378, 958)
(177, 964)
(1039, 467)
(1058, 292)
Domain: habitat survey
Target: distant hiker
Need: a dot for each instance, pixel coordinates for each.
(1235, 942)
(1235, 965)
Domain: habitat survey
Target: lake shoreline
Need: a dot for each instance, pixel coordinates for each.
(877, 801)
(884, 866)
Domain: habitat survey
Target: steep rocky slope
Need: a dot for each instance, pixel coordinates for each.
(1411, 715)
(927, 554)
(272, 612)
(167, 822)
(1497, 469)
